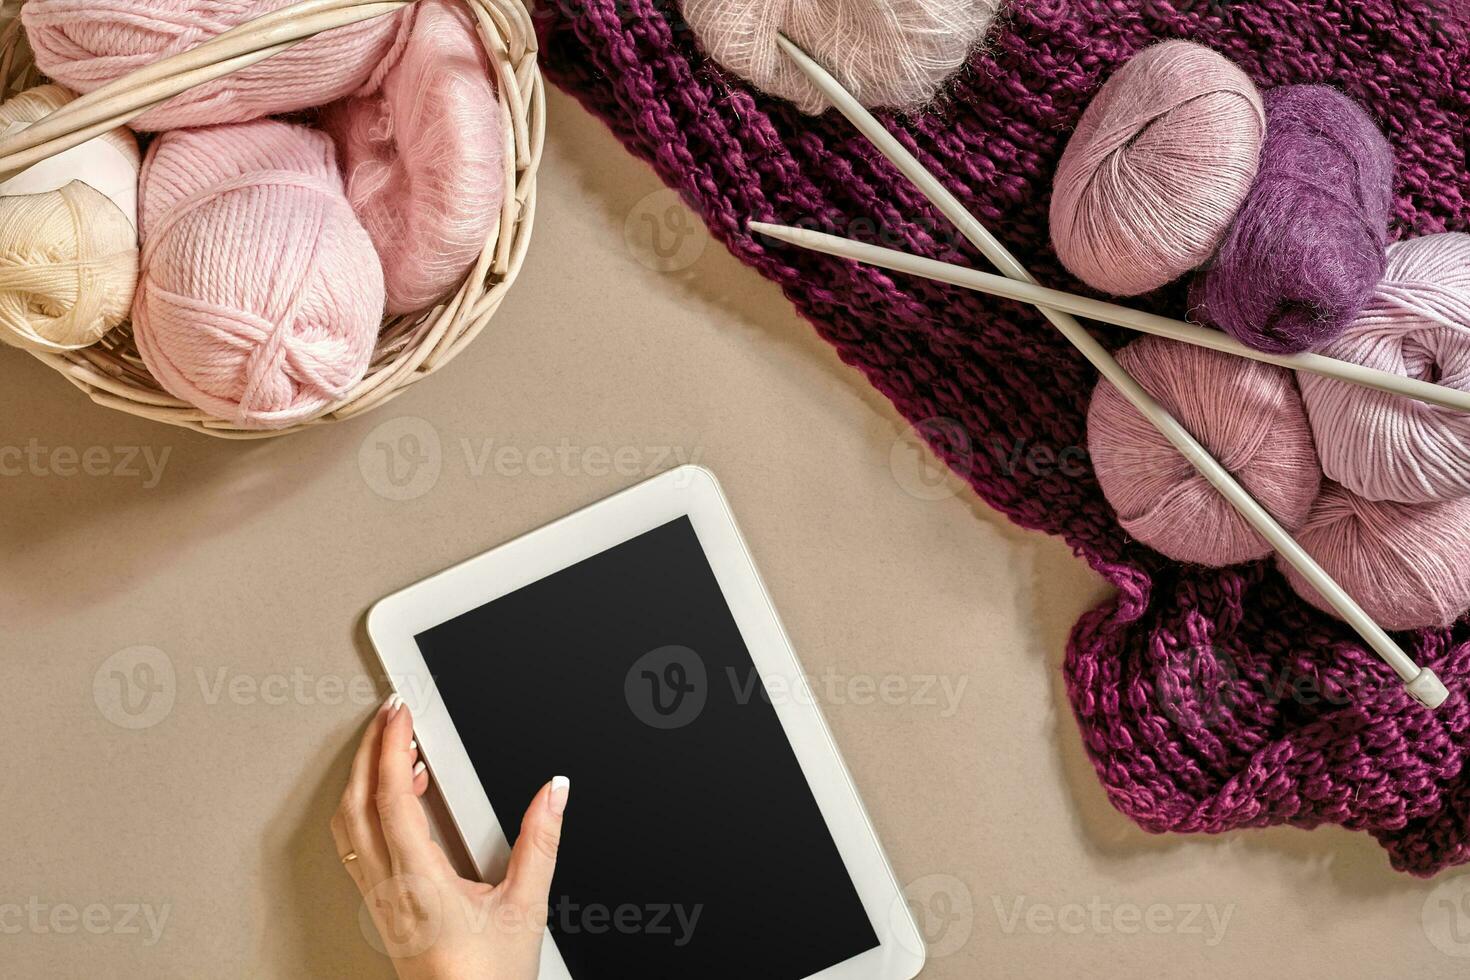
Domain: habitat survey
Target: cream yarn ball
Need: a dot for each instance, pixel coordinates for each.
(69, 255)
(887, 53)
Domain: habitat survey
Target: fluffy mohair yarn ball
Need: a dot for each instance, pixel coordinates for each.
(260, 296)
(424, 157)
(1247, 414)
(1157, 169)
(1407, 565)
(85, 44)
(69, 256)
(1308, 244)
(887, 53)
(1416, 323)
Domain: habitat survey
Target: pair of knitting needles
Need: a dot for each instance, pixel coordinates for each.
(1421, 683)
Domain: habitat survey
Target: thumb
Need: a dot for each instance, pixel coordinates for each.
(533, 858)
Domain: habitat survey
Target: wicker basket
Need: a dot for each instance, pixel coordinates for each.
(408, 347)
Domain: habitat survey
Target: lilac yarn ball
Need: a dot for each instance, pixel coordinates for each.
(1407, 565)
(1157, 168)
(1308, 245)
(1416, 323)
(1249, 415)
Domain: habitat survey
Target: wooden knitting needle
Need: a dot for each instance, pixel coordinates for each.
(1421, 683)
(127, 97)
(1105, 312)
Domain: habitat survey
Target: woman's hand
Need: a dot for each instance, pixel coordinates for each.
(433, 923)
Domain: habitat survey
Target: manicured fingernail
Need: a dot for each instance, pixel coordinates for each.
(388, 702)
(418, 768)
(561, 786)
(394, 704)
(413, 744)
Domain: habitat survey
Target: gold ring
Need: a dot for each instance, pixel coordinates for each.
(349, 856)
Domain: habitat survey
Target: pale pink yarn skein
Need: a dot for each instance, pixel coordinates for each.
(1417, 323)
(260, 296)
(1407, 565)
(85, 44)
(1157, 169)
(889, 53)
(1247, 414)
(424, 157)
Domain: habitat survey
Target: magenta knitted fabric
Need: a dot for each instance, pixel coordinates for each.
(1209, 700)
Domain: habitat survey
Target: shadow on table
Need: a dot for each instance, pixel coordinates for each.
(72, 471)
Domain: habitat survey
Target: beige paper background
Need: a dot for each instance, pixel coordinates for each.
(249, 568)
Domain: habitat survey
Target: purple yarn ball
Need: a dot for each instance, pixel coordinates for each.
(1307, 247)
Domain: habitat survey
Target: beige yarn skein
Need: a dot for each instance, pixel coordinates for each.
(69, 256)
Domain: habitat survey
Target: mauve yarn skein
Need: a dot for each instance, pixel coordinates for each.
(1407, 565)
(261, 295)
(1308, 244)
(1247, 414)
(888, 53)
(1416, 323)
(424, 157)
(85, 44)
(1157, 168)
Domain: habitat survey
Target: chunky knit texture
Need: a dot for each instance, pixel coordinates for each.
(1209, 700)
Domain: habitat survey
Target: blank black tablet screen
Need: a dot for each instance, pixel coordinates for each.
(692, 846)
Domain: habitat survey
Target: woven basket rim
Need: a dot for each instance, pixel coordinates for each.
(409, 347)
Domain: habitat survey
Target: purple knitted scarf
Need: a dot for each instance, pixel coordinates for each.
(1208, 700)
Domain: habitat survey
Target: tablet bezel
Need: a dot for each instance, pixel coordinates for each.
(393, 622)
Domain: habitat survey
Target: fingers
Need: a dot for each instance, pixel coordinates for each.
(420, 777)
(401, 781)
(357, 814)
(533, 859)
(344, 848)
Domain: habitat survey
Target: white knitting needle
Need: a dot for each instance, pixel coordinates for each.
(1421, 683)
(1122, 316)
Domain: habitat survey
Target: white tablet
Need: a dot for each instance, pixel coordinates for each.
(713, 829)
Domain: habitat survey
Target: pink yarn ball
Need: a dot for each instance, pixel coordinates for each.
(1416, 323)
(1157, 169)
(424, 157)
(260, 295)
(1407, 565)
(1247, 414)
(85, 44)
